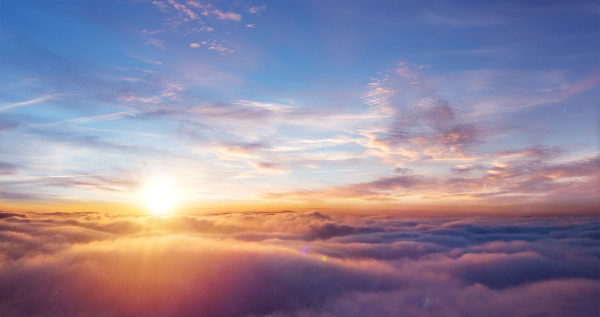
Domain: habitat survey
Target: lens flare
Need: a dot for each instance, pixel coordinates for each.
(159, 195)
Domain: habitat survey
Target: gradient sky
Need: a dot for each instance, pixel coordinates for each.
(367, 105)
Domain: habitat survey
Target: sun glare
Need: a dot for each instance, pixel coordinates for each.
(159, 195)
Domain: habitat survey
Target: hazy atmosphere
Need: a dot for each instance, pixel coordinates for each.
(299, 158)
(367, 105)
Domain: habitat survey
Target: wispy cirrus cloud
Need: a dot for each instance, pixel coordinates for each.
(130, 97)
(268, 166)
(462, 17)
(522, 180)
(151, 32)
(155, 42)
(421, 124)
(587, 82)
(147, 60)
(96, 182)
(538, 151)
(543, 89)
(8, 168)
(91, 119)
(533, 179)
(27, 103)
(241, 149)
(383, 189)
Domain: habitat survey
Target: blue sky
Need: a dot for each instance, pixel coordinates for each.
(378, 105)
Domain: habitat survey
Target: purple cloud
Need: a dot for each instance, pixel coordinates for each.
(288, 264)
(381, 189)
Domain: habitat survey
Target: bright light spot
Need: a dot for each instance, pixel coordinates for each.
(159, 195)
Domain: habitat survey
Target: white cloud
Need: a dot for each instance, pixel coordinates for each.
(199, 5)
(147, 60)
(227, 15)
(405, 70)
(184, 9)
(155, 42)
(255, 10)
(213, 45)
(200, 29)
(275, 108)
(131, 97)
(161, 6)
(151, 32)
(96, 118)
(26, 103)
(379, 96)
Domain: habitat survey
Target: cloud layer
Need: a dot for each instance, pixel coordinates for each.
(296, 264)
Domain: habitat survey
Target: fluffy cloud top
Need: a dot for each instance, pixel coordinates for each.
(296, 264)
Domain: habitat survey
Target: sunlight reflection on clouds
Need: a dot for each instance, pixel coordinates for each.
(289, 264)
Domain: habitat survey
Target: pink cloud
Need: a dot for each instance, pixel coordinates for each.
(274, 167)
(280, 264)
(382, 189)
(227, 15)
(180, 7)
(589, 81)
(258, 9)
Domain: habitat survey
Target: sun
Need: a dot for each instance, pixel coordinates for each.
(159, 194)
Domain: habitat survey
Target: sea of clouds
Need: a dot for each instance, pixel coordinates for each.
(297, 264)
